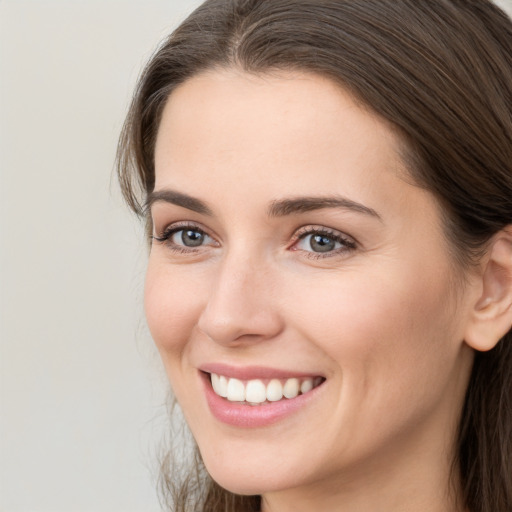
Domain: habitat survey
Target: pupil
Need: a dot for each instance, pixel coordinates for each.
(320, 243)
(192, 238)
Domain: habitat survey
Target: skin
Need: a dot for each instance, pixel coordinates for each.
(382, 320)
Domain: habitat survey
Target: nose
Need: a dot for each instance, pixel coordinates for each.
(241, 305)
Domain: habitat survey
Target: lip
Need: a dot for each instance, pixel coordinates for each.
(248, 416)
(253, 372)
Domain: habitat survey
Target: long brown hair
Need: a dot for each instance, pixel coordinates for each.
(441, 72)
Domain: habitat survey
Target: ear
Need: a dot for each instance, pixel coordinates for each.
(491, 314)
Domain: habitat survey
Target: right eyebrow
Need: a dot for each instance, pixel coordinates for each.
(179, 199)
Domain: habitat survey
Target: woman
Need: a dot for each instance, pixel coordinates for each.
(328, 190)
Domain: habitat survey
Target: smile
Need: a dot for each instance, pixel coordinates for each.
(257, 396)
(261, 392)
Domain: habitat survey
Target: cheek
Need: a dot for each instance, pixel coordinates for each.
(393, 346)
(392, 339)
(370, 311)
(172, 306)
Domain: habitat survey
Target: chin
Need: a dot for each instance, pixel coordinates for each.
(245, 486)
(246, 479)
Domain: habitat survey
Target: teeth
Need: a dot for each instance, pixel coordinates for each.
(274, 391)
(254, 392)
(215, 383)
(291, 388)
(307, 385)
(223, 386)
(236, 390)
(317, 381)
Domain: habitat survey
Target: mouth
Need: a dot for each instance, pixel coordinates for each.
(257, 397)
(258, 392)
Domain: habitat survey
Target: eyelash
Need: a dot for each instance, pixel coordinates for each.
(347, 242)
(169, 232)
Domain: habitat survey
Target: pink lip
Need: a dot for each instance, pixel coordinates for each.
(252, 372)
(249, 416)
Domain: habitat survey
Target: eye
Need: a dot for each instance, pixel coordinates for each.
(318, 243)
(323, 242)
(184, 238)
(188, 237)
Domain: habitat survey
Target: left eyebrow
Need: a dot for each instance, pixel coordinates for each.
(283, 207)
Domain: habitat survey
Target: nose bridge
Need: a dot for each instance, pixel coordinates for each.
(240, 305)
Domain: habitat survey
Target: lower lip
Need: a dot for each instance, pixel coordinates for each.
(251, 416)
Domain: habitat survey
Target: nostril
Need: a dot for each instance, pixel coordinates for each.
(239, 311)
(237, 328)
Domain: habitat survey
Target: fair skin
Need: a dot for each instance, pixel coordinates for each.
(370, 305)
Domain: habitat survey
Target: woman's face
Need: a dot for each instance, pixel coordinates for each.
(291, 250)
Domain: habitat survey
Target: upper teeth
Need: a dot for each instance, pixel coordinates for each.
(256, 391)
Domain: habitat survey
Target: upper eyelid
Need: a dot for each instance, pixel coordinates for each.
(306, 230)
(176, 226)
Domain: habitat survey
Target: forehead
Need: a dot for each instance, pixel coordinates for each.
(291, 124)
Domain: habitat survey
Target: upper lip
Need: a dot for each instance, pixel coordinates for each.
(253, 372)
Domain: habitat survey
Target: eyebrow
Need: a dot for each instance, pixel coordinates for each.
(179, 199)
(296, 205)
(277, 208)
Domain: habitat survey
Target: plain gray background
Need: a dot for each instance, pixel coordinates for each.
(82, 391)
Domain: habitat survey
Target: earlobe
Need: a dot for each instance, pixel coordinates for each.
(491, 315)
